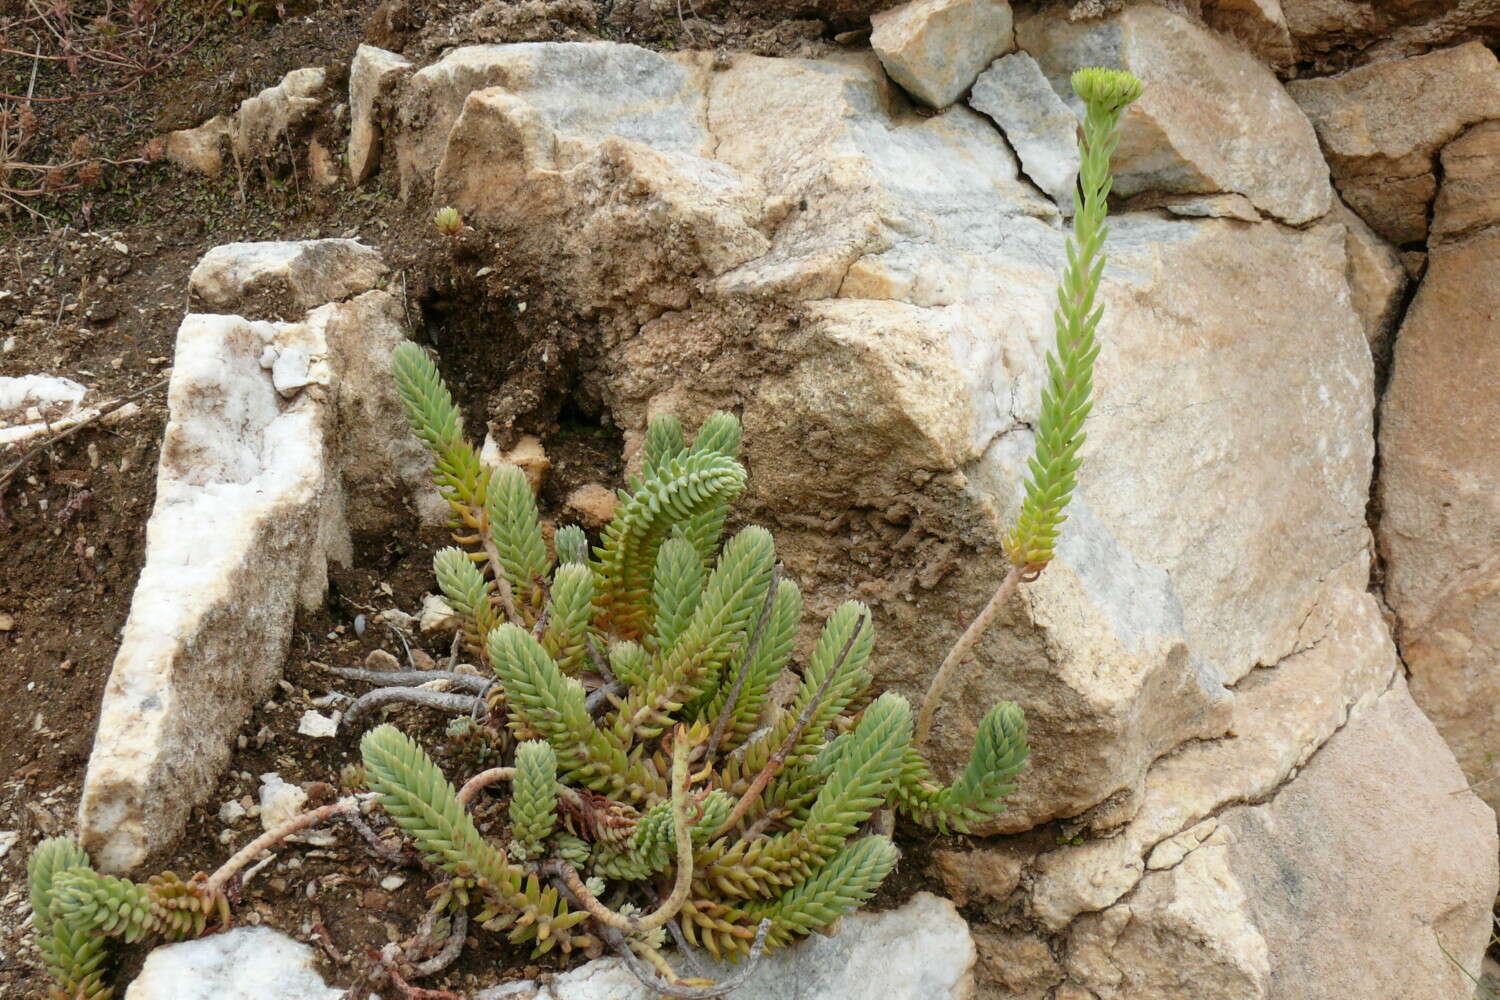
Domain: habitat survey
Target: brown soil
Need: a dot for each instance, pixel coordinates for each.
(93, 283)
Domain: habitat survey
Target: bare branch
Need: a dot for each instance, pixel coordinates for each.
(458, 704)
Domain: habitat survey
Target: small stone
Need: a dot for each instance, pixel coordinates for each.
(317, 725)
(374, 899)
(201, 150)
(935, 48)
(279, 801)
(246, 963)
(8, 839)
(380, 659)
(7, 621)
(436, 615)
(529, 455)
(593, 504)
(231, 812)
(392, 882)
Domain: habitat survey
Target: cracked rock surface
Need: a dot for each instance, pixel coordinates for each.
(1232, 793)
(870, 288)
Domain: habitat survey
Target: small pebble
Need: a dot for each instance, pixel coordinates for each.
(392, 882)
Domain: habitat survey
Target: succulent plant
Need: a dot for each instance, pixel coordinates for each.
(653, 762)
(661, 646)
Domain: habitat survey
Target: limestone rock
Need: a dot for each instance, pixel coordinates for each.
(904, 385)
(1378, 806)
(1282, 714)
(283, 280)
(935, 48)
(372, 74)
(1377, 281)
(1013, 965)
(1259, 24)
(263, 120)
(277, 433)
(201, 149)
(1213, 118)
(922, 951)
(1440, 527)
(1381, 126)
(241, 531)
(1470, 196)
(1037, 124)
(246, 963)
(847, 181)
(1262, 909)
(581, 93)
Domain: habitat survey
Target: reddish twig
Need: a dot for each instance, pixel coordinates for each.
(961, 649)
(483, 780)
(271, 838)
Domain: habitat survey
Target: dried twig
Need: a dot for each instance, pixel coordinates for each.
(394, 678)
(598, 702)
(483, 780)
(684, 877)
(53, 439)
(458, 704)
(452, 946)
(220, 878)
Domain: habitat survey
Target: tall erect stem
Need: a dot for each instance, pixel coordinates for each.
(1067, 394)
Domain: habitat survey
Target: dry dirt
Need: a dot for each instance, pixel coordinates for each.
(93, 283)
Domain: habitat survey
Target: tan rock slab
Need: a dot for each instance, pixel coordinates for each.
(1377, 280)
(1381, 126)
(1469, 198)
(1440, 477)
(1367, 850)
(373, 74)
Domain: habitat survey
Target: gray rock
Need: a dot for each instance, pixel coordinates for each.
(246, 963)
(263, 121)
(581, 92)
(1038, 125)
(922, 951)
(279, 435)
(1213, 118)
(935, 48)
(1440, 476)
